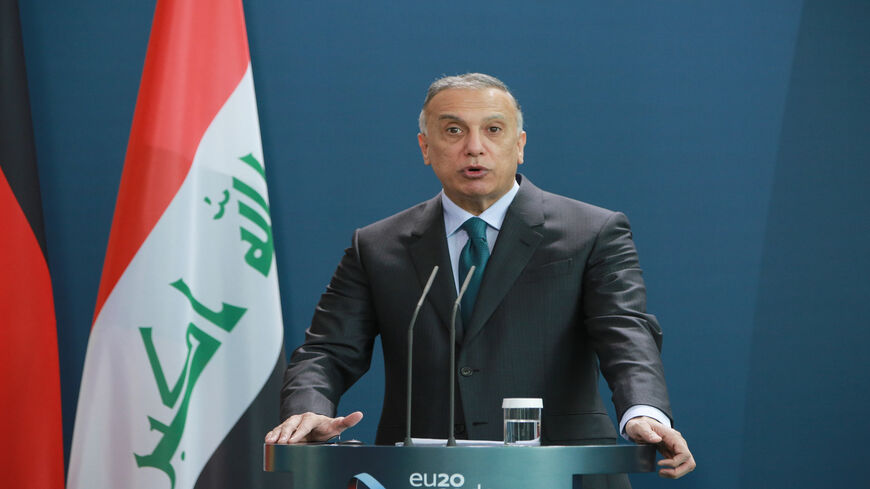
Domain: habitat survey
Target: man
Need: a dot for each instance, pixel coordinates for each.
(558, 290)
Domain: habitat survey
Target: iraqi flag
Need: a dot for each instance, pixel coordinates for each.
(31, 451)
(184, 360)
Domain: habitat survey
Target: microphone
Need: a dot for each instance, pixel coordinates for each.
(451, 440)
(408, 442)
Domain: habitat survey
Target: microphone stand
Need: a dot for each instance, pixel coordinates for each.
(408, 442)
(451, 440)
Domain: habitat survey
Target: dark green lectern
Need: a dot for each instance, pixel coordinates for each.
(469, 467)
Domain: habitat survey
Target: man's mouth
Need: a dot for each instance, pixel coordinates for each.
(474, 171)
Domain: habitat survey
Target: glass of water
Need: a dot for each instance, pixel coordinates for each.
(522, 421)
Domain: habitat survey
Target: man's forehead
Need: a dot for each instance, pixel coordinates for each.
(449, 103)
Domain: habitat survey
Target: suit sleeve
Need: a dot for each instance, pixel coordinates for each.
(627, 340)
(338, 344)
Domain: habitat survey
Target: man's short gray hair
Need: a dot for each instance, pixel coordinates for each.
(472, 81)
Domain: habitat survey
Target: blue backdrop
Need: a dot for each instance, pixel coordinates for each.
(734, 134)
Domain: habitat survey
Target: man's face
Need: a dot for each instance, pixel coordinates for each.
(473, 145)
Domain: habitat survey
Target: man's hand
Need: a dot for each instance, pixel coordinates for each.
(301, 428)
(678, 459)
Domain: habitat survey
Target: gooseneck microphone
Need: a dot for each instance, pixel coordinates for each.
(408, 442)
(451, 440)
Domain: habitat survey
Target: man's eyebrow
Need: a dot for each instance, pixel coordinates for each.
(449, 117)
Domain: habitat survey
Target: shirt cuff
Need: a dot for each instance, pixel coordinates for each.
(642, 410)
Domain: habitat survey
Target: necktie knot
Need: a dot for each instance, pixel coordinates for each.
(475, 227)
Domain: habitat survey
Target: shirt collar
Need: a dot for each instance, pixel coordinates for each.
(454, 215)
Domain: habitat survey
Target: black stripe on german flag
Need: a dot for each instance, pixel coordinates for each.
(17, 149)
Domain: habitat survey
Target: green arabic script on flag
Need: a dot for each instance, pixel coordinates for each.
(201, 346)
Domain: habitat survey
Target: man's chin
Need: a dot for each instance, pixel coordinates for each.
(475, 199)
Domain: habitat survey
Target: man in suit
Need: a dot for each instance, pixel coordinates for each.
(558, 291)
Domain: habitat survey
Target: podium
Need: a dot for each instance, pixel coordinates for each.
(469, 467)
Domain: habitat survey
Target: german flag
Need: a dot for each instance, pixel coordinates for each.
(31, 454)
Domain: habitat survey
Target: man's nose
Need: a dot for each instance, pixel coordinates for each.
(474, 144)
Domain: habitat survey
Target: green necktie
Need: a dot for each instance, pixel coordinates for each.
(476, 253)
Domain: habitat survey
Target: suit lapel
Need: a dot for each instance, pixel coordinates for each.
(428, 247)
(517, 241)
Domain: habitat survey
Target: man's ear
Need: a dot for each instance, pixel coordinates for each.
(521, 144)
(424, 147)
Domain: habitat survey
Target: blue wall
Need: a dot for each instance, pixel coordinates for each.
(734, 134)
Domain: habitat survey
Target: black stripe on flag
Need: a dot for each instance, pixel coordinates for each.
(17, 149)
(238, 460)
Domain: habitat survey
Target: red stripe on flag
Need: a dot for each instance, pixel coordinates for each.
(197, 54)
(31, 453)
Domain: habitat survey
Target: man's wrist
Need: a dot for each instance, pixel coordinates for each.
(639, 410)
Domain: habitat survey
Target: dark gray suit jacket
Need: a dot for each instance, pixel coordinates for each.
(561, 293)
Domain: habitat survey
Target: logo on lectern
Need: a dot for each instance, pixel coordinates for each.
(417, 479)
(364, 481)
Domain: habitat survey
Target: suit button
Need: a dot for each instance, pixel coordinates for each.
(466, 371)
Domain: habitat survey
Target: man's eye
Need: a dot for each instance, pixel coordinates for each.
(494, 129)
(453, 130)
